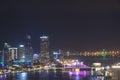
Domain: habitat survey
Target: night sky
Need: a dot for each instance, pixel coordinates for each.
(70, 24)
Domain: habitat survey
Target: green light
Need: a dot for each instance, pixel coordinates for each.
(104, 55)
(1, 62)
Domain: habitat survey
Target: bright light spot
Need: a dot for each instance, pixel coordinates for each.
(97, 64)
(44, 37)
(74, 64)
(35, 56)
(55, 53)
(92, 72)
(81, 63)
(106, 73)
(77, 60)
(77, 70)
(21, 45)
(70, 73)
(49, 66)
(102, 68)
(108, 67)
(97, 69)
(115, 66)
(58, 60)
(23, 56)
(24, 74)
(68, 64)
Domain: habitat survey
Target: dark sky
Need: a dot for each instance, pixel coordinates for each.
(70, 24)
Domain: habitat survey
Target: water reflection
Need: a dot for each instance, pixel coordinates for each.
(78, 75)
(22, 76)
(11, 77)
(50, 75)
(2, 77)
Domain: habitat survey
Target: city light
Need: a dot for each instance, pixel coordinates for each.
(44, 37)
(97, 64)
(21, 45)
(115, 67)
(1, 62)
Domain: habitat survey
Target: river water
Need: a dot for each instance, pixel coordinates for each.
(44, 75)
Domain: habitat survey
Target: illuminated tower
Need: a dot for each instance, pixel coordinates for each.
(44, 47)
(21, 53)
(29, 49)
(13, 55)
(6, 54)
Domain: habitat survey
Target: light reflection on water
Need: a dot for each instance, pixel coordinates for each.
(78, 75)
(50, 76)
(2, 77)
(22, 76)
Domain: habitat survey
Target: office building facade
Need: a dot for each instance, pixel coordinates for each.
(44, 48)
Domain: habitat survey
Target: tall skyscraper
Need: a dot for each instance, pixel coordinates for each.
(1, 58)
(21, 53)
(29, 49)
(13, 55)
(44, 48)
(6, 54)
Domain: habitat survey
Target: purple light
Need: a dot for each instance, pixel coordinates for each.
(83, 73)
(35, 56)
(77, 65)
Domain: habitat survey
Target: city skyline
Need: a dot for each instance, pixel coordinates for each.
(24, 43)
(71, 25)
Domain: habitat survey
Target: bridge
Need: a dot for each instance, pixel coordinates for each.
(73, 67)
(90, 59)
(67, 69)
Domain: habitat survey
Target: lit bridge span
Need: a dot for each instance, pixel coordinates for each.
(104, 59)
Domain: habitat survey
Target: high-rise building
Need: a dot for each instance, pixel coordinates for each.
(28, 49)
(44, 48)
(6, 54)
(1, 58)
(25, 52)
(13, 55)
(21, 53)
